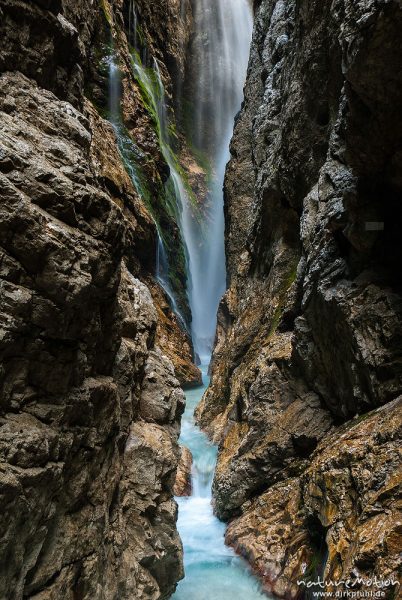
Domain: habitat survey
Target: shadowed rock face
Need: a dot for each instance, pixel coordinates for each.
(309, 330)
(90, 404)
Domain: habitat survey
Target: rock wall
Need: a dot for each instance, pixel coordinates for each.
(306, 371)
(90, 404)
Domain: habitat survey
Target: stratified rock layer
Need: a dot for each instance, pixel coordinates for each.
(309, 331)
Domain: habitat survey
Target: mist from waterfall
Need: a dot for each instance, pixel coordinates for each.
(218, 61)
(219, 58)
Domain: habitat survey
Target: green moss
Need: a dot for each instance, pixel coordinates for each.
(291, 278)
(141, 41)
(147, 83)
(288, 281)
(159, 198)
(204, 162)
(313, 566)
(361, 418)
(105, 7)
(355, 421)
(152, 95)
(132, 158)
(276, 319)
(187, 120)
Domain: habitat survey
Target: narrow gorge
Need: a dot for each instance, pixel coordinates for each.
(200, 299)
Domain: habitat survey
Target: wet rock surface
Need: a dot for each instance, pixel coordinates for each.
(341, 518)
(82, 509)
(309, 328)
(90, 403)
(173, 337)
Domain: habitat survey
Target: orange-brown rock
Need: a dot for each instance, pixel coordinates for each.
(183, 486)
(174, 339)
(341, 519)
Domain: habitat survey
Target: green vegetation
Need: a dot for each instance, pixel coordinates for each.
(105, 7)
(153, 98)
(291, 278)
(286, 285)
(132, 158)
(313, 567)
(276, 319)
(161, 199)
(204, 162)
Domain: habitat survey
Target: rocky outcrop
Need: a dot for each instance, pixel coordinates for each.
(174, 339)
(309, 328)
(169, 26)
(82, 509)
(183, 484)
(339, 520)
(90, 403)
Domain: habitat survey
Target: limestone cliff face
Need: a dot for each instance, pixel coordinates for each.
(309, 332)
(90, 404)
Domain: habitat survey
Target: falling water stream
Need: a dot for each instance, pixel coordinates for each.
(218, 57)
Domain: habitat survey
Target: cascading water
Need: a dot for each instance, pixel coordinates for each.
(219, 62)
(129, 151)
(212, 570)
(162, 276)
(177, 193)
(114, 92)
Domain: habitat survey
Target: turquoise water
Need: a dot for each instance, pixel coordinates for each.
(212, 570)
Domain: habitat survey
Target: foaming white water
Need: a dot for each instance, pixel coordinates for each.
(212, 570)
(219, 61)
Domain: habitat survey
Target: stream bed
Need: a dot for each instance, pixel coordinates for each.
(212, 570)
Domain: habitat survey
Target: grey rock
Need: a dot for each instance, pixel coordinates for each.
(309, 328)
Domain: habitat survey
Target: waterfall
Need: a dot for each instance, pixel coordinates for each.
(151, 81)
(178, 193)
(132, 24)
(114, 92)
(219, 57)
(162, 277)
(219, 60)
(219, 53)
